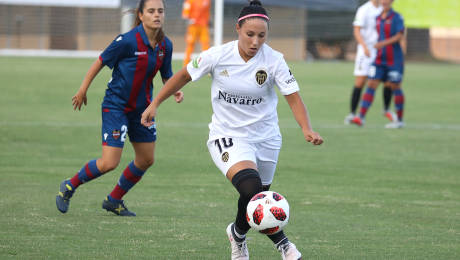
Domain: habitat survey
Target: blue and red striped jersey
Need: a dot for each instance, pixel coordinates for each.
(388, 27)
(134, 63)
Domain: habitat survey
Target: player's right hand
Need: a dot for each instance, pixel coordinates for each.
(148, 115)
(367, 52)
(78, 100)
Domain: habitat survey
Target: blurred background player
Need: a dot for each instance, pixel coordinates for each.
(196, 12)
(244, 138)
(388, 65)
(365, 33)
(135, 58)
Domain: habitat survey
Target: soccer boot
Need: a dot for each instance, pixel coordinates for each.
(239, 250)
(348, 119)
(357, 121)
(63, 198)
(289, 252)
(391, 116)
(395, 125)
(118, 208)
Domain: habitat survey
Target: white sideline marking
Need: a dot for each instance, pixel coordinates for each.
(418, 126)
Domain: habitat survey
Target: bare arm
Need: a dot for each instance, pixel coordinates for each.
(178, 96)
(301, 116)
(360, 40)
(396, 38)
(403, 42)
(80, 97)
(172, 86)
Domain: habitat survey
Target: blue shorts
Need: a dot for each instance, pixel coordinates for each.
(117, 124)
(386, 73)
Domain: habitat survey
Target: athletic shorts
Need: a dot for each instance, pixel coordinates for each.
(362, 62)
(385, 73)
(117, 124)
(226, 152)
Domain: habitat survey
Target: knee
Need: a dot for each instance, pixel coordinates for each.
(248, 183)
(144, 163)
(107, 165)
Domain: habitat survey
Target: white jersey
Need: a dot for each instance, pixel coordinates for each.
(243, 96)
(366, 19)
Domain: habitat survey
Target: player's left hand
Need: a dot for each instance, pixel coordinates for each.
(313, 137)
(179, 96)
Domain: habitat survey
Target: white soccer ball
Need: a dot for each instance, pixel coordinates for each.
(268, 212)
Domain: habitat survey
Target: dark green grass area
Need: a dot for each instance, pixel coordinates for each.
(367, 193)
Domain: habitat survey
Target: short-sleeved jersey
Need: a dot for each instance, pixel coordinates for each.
(134, 63)
(197, 11)
(243, 93)
(365, 19)
(390, 55)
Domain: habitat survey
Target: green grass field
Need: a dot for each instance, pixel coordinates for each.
(367, 193)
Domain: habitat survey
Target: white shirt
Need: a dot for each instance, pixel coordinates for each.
(243, 96)
(366, 19)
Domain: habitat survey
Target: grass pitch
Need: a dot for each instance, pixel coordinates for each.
(367, 193)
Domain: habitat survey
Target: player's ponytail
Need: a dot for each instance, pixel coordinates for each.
(253, 10)
(137, 21)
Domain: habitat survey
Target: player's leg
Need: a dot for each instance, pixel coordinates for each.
(395, 77)
(204, 38)
(236, 160)
(362, 64)
(190, 39)
(267, 159)
(143, 141)
(114, 129)
(376, 75)
(246, 180)
(387, 95)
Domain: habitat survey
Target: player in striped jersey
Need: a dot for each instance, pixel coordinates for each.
(135, 58)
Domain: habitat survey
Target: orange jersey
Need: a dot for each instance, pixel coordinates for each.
(197, 11)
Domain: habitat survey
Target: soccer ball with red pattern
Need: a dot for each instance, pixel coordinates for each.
(268, 212)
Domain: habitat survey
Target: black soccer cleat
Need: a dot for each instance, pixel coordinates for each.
(63, 198)
(118, 208)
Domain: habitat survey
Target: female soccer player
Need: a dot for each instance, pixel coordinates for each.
(135, 58)
(388, 65)
(244, 139)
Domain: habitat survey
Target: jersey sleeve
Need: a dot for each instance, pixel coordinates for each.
(114, 52)
(360, 18)
(399, 24)
(284, 79)
(201, 65)
(166, 68)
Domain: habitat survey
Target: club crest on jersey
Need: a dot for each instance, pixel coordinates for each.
(225, 157)
(160, 53)
(261, 77)
(116, 134)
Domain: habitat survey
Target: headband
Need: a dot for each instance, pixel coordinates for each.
(254, 15)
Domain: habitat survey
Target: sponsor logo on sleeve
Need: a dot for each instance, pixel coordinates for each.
(291, 80)
(196, 62)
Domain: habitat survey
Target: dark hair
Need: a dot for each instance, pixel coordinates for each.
(254, 7)
(137, 22)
